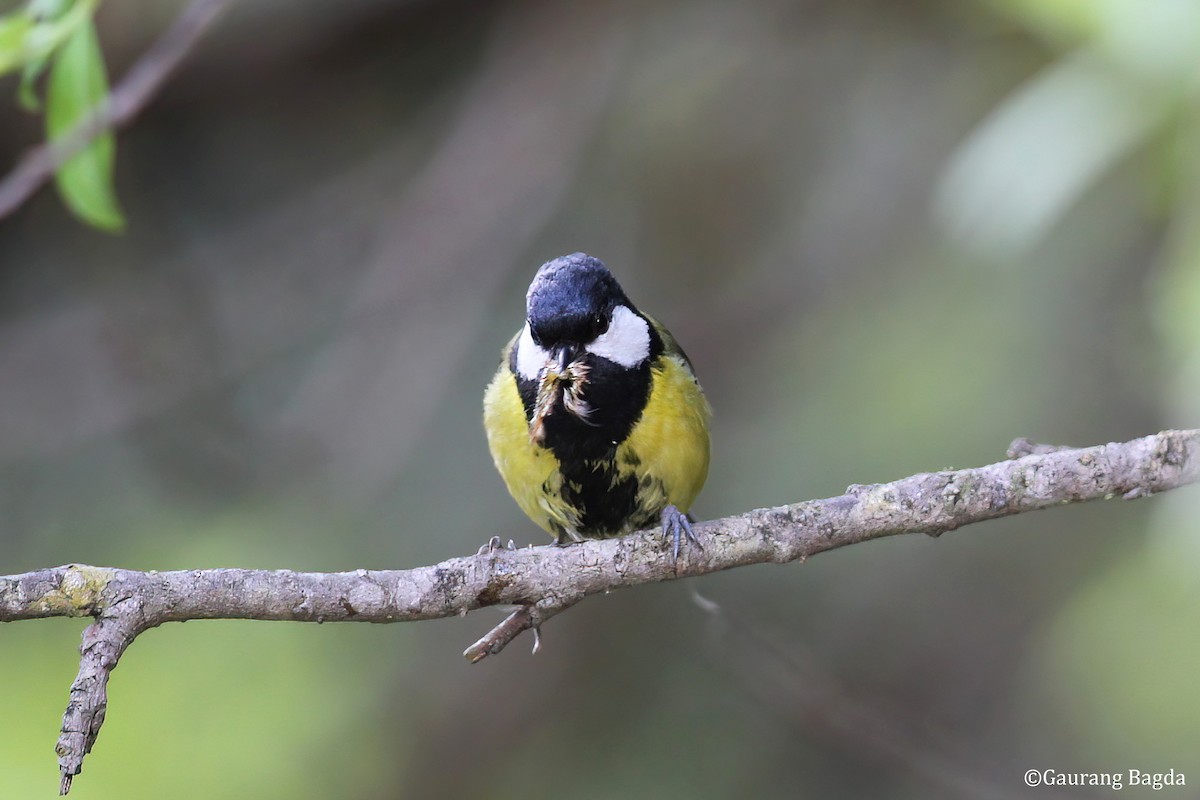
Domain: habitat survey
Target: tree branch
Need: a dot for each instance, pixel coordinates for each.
(543, 581)
(126, 100)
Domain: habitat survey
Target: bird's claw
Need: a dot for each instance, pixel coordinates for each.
(495, 543)
(677, 526)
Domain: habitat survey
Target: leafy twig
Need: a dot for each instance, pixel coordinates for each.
(125, 101)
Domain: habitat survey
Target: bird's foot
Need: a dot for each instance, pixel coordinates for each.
(495, 544)
(676, 526)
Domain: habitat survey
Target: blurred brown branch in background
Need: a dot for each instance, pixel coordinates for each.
(546, 580)
(125, 101)
(788, 682)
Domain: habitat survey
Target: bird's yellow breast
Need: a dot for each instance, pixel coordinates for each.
(530, 471)
(668, 448)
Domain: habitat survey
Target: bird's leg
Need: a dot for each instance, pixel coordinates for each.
(676, 526)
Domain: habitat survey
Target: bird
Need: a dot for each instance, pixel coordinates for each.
(595, 419)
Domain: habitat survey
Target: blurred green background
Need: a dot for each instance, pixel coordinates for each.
(891, 236)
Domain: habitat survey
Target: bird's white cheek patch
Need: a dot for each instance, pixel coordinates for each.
(627, 340)
(530, 357)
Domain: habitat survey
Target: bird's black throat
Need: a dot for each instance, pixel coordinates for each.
(616, 397)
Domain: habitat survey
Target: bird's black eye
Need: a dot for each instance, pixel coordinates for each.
(599, 325)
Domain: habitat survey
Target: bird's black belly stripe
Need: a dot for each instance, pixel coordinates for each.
(605, 499)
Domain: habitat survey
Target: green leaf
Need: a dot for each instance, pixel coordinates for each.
(32, 35)
(14, 29)
(49, 9)
(27, 96)
(78, 85)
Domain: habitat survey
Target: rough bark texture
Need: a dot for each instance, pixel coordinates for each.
(544, 581)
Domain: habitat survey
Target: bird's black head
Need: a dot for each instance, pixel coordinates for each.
(571, 300)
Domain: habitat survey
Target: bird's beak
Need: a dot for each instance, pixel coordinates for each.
(558, 367)
(561, 358)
